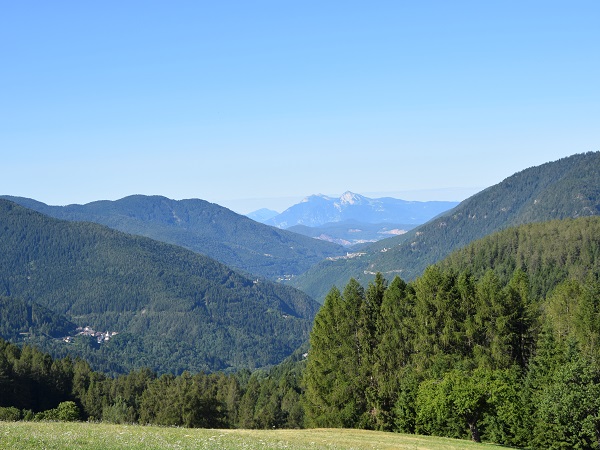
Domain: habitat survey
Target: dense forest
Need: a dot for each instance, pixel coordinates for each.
(499, 343)
(35, 386)
(173, 309)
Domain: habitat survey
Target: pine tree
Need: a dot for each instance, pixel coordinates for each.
(394, 347)
(438, 319)
(335, 389)
(522, 327)
(368, 322)
(323, 366)
(247, 405)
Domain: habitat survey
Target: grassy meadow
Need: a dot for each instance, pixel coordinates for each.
(91, 436)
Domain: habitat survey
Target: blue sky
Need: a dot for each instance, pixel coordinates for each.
(255, 104)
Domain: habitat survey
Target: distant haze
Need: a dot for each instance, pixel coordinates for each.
(280, 204)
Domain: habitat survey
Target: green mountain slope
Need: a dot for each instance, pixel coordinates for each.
(173, 309)
(569, 187)
(203, 227)
(548, 252)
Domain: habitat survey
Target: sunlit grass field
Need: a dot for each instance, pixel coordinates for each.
(88, 436)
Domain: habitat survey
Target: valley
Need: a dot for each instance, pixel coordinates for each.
(495, 299)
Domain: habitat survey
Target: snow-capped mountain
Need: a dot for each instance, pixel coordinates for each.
(317, 210)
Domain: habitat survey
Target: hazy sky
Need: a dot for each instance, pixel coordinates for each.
(234, 101)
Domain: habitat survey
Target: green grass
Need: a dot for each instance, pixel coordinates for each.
(88, 436)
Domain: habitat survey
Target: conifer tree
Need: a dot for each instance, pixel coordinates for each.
(334, 386)
(438, 321)
(394, 346)
(323, 366)
(493, 350)
(525, 312)
(369, 320)
(248, 404)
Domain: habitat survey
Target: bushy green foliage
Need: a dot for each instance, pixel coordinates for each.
(434, 359)
(569, 406)
(118, 412)
(64, 412)
(9, 414)
(73, 391)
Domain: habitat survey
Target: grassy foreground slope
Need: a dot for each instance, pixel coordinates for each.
(69, 435)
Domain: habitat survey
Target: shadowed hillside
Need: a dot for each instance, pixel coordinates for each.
(173, 309)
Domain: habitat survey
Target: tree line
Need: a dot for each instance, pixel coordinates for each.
(34, 386)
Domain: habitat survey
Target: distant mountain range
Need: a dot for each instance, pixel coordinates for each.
(173, 309)
(207, 228)
(567, 188)
(318, 210)
(262, 215)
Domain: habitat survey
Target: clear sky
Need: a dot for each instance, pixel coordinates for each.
(258, 103)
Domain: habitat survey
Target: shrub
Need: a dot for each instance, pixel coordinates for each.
(64, 412)
(68, 412)
(9, 414)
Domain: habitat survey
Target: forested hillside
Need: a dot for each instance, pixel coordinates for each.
(173, 309)
(203, 227)
(569, 187)
(548, 252)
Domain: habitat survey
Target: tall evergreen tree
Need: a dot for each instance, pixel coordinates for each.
(392, 355)
(369, 320)
(334, 385)
(522, 327)
(321, 377)
(438, 320)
